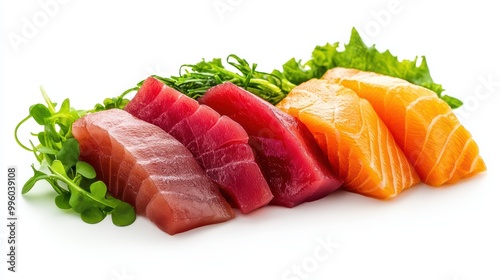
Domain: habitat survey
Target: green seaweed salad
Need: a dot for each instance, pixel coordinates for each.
(74, 181)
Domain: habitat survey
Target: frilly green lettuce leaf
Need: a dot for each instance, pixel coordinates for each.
(358, 55)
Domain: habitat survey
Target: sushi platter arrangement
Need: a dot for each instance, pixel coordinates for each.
(190, 150)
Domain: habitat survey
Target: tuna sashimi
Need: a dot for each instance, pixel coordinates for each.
(146, 167)
(359, 146)
(219, 144)
(423, 125)
(293, 164)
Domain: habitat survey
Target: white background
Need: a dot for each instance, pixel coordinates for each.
(89, 50)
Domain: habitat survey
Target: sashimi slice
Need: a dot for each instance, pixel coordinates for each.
(142, 100)
(182, 108)
(424, 126)
(165, 183)
(214, 140)
(220, 135)
(291, 161)
(359, 146)
(156, 107)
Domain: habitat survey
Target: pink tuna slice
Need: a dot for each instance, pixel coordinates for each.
(146, 167)
(219, 144)
(293, 164)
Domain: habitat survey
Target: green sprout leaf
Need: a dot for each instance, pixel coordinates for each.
(52, 133)
(65, 107)
(58, 168)
(93, 215)
(40, 113)
(69, 153)
(98, 189)
(33, 180)
(123, 214)
(62, 200)
(47, 150)
(73, 180)
(85, 169)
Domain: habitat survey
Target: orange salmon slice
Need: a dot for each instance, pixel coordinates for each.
(359, 146)
(424, 126)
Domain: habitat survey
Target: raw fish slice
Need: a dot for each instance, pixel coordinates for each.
(125, 170)
(232, 154)
(142, 100)
(110, 159)
(115, 164)
(157, 106)
(229, 161)
(186, 210)
(172, 189)
(424, 126)
(179, 110)
(104, 154)
(293, 165)
(202, 120)
(172, 175)
(198, 124)
(241, 156)
(222, 134)
(359, 146)
(204, 131)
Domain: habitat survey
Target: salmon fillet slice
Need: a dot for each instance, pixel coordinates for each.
(424, 126)
(359, 146)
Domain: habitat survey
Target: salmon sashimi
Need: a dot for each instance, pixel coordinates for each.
(359, 146)
(293, 164)
(219, 144)
(146, 167)
(424, 126)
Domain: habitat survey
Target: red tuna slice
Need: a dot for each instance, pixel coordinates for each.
(165, 182)
(182, 108)
(142, 100)
(163, 101)
(294, 166)
(197, 125)
(210, 137)
(221, 135)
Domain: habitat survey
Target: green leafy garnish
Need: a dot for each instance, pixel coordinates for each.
(358, 55)
(195, 79)
(198, 78)
(113, 103)
(58, 153)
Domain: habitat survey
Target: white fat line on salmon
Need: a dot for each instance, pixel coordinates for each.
(324, 250)
(430, 127)
(31, 25)
(460, 158)
(443, 149)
